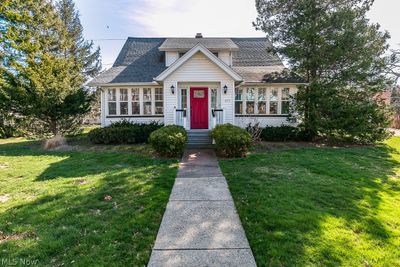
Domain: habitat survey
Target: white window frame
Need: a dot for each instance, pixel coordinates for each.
(114, 101)
(118, 101)
(268, 94)
(159, 101)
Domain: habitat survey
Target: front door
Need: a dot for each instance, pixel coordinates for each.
(199, 108)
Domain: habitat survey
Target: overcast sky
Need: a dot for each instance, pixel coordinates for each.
(118, 19)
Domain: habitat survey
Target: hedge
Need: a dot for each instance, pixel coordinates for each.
(231, 141)
(123, 132)
(283, 133)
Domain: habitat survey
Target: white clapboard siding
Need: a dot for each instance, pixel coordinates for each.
(264, 121)
(199, 69)
(171, 57)
(226, 57)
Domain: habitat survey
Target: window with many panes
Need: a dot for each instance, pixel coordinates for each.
(285, 98)
(159, 101)
(123, 101)
(262, 101)
(135, 97)
(238, 100)
(135, 101)
(250, 100)
(262, 104)
(183, 98)
(147, 101)
(273, 101)
(112, 101)
(214, 98)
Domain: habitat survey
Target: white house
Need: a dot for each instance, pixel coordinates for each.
(196, 82)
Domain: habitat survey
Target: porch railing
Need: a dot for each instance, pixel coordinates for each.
(180, 117)
(218, 116)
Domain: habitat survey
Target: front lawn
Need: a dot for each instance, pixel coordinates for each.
(84, 208)
(320, 206)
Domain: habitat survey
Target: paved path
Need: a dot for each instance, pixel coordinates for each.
(200, 226)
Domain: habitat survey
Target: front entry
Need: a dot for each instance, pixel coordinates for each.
(199, 108)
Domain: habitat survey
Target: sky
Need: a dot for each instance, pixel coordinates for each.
(109, 23)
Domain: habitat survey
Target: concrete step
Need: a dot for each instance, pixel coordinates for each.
(199, 139)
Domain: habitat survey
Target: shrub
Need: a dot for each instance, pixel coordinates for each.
(169, 140)
(123, 132)
(283, 133)
(231, 141)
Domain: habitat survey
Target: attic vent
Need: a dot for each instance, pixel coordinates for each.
(199, 35)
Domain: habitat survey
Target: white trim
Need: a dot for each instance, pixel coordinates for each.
(198, 48)
(128, 84)
(269, 84)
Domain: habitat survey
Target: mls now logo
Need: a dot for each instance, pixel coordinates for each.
(20, 261)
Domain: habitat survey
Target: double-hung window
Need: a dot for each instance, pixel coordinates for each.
(123, 101)
(147, 99)
(135, 101)
(262, 101)
(238, 100)
(159, 101)
(135, 92)
(262, 104)
(112, 101)
(285, 98)
(273, 101)
(250, 100)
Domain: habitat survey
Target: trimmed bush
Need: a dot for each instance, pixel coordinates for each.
(123, 132)
(169, 140)
(231, 141)
(283, 133)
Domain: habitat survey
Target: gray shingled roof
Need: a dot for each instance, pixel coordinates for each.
(254, 52)
(141, 60)
(174, 44)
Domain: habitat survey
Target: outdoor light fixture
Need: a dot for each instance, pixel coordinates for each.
(172, 89)
(225, 89)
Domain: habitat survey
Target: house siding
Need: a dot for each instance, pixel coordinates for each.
(198, 71)
(171, 57)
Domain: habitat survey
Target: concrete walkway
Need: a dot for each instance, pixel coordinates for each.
(200, 226)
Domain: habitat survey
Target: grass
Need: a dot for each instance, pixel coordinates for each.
(83, 208)
(320, 206)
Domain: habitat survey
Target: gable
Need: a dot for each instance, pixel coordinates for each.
(199, 68)
(208, 61)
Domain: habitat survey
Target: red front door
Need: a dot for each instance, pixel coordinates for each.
(199, 108)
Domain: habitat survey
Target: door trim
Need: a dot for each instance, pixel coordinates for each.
(206, 90)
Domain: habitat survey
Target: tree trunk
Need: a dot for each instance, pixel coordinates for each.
(53, 127)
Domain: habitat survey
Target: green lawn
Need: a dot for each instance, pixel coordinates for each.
(83, 208)
(320, 206)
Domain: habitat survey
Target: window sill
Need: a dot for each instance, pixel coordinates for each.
(263, 115)
(135, 116)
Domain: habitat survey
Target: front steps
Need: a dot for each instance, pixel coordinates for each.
(199, 138)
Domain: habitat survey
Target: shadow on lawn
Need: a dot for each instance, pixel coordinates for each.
(316, 206)
(76, 224)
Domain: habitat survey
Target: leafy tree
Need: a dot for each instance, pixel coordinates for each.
(340, 54)
(45, 63)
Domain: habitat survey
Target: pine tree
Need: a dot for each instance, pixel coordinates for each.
(45, 63)
(87, 62)
(341, 56)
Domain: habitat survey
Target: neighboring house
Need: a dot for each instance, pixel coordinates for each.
(196, 82)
